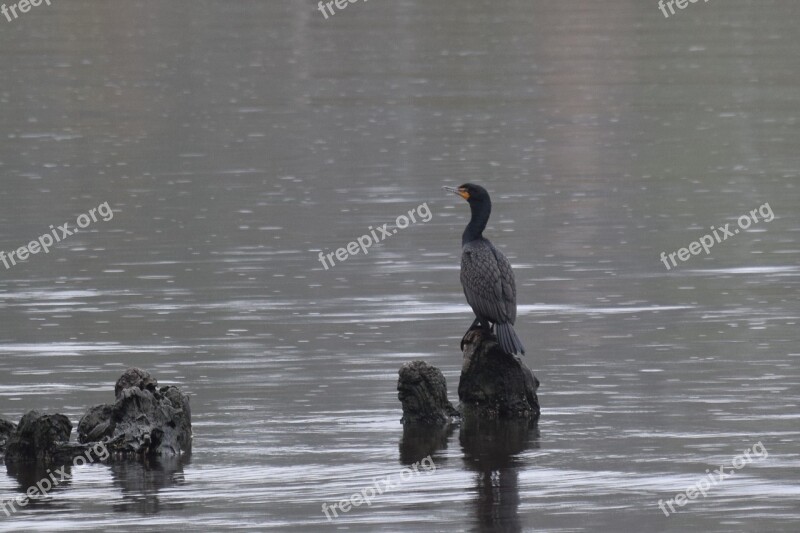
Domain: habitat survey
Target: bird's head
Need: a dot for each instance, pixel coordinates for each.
(469, 192)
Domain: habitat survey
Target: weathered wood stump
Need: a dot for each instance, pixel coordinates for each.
(144, 420)
(7, 428)
(38, 437)
(422, 390)
(493, 384)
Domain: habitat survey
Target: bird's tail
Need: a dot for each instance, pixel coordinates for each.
(508, 339)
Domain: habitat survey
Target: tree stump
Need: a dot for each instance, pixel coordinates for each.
(38, 437)
(493, 384)
(422, 390)
(144, 420)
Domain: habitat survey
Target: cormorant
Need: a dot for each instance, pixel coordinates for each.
(486, 275)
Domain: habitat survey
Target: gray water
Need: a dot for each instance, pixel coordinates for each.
(236, 140)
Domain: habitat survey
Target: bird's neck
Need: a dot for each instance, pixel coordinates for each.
(480, 217)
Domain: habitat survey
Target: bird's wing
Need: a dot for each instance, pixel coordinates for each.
(483, 281)
(509, 286)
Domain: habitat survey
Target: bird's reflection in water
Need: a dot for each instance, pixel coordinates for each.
(491, 448)
(142, 480)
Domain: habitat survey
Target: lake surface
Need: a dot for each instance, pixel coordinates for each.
(234, 141)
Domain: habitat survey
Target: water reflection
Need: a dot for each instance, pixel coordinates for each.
(420, 441)
(141, 481)
(491, 450)
(49, 476)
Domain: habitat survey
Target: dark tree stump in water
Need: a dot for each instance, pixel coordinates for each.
(7, 428)
(144, 420)
(135, 377)
(38, 437)
(422, 390)
(493, 384)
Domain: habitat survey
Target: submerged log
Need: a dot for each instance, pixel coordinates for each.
(493, 384)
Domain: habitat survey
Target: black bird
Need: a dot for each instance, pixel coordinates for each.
(486, 275)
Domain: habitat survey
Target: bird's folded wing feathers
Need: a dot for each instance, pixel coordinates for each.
(484, 285)
(509, 287)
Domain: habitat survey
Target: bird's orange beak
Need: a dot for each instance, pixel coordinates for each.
(459, 191)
